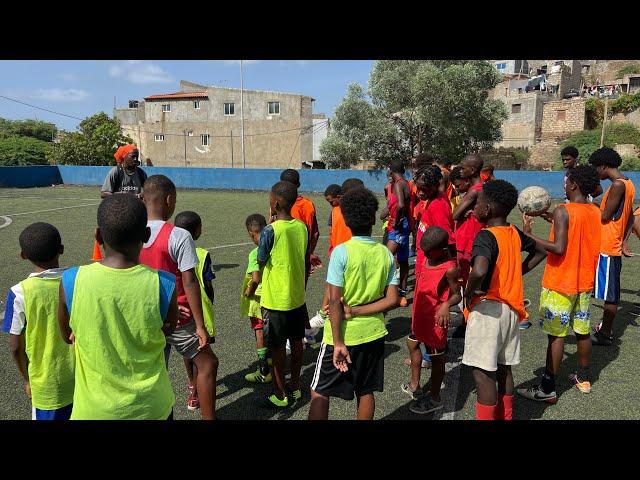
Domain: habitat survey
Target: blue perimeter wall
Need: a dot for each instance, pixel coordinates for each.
(255, 179)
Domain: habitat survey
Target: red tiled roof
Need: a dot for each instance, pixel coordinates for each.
(176, 95)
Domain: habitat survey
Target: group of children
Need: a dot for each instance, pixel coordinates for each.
(93, 342)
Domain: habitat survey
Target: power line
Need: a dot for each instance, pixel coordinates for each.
(40, 108)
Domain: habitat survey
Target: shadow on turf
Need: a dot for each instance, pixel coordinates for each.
(245, 407)
(601, 357)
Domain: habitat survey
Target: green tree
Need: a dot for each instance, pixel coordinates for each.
(28, 128)
(94, 144)
(437, 107)
(16, 151)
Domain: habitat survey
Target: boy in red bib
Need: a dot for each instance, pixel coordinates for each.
(437, 289)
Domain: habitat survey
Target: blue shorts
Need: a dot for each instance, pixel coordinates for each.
(401, 237)
(607, 285)
(63, 413)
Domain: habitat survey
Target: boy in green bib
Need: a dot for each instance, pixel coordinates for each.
(281, 254)
(45, 361)
(192, 223)
(362, 285)
(117, 313)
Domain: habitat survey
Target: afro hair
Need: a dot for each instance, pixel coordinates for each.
(586, 177)
(359, 206)
(502, 194)
(40, 242)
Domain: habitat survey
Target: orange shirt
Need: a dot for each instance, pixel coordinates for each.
(613, 231)
(340, 233)
(506, 280)
(575, 271)
(305, 211)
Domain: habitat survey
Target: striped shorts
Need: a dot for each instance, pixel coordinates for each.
(607, 285)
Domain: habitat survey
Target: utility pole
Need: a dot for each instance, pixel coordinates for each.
(185, 147)
(231, 148)
(244, 160)
(604, 120)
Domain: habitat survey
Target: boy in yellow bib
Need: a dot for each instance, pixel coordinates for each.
(117, 313)
(44, 359)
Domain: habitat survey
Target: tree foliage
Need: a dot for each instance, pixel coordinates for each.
(411, 107)
(27, 128)
(628, 69)
(97, 140)
(18, 151)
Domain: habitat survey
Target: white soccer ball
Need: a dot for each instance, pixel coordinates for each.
(534, 201)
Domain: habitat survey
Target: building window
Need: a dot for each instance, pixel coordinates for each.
(159, 137)
(204, 139)
(196, 104)
(516, 108)
(561, 115)
(190, 133)
(166, 107)
(273, 108)
(229, 109)
(501, 66)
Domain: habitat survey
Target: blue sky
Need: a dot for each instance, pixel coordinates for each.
(83, 87)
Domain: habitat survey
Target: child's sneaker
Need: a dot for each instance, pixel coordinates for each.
(310, 336)
(600, 339)
(294, 396)
(288, 347)
(425, 405)
(524, 325)
(318, 320)
(538, 395)
(273, 402)
(257, 377)
(192, 401)
(584, 387)
(414, 394)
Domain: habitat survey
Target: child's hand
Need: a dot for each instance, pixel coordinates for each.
(442, 316)
(185, 313)
(625, 250)
(316, 263)
(348, 311)
(527, 223)
(247, 292)
(72, 338)
(325, 308)
(203, 337)
(548, 216)
(341, 357)
(27, 389)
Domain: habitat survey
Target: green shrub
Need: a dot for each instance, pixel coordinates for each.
(23, 151)
(630, 163)
(628, 69)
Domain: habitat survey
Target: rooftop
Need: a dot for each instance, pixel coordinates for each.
(170, 96)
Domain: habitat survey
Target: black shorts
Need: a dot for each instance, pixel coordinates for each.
(365, 374)
(280, 326)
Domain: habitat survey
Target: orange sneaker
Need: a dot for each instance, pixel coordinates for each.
(403, 302)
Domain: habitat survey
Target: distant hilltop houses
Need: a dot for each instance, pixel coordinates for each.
(202, 126)
(546, 99)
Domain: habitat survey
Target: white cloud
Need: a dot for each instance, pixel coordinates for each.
(60, 94)
(139, 72)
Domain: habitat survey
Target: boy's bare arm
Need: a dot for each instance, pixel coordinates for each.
(534, 259)
(560, 232)
(341, 357)
(479, 270)
(19, 354)
(208, 289)
(63, 317)
(173, 313)
(616, 195)
(453, 281)
(468, 201)
(256, 278)
(386, 303)
(192, 290)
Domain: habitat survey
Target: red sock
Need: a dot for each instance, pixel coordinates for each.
(485, 412)
(504, 408)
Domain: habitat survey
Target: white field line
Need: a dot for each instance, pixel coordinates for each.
(251, 243)
(36, 197)
(50, 210)
(7, 221)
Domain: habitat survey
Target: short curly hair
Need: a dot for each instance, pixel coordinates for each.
(285, 193)
(188, 220)
(351, 183)
(434, 237)
(255, 222)
(430, 175)
(333, 190)
(397, 166)
(605, 156)
(122, 220)
(501, 194)
(40, 242)
(571, 151)
(359, 207)
(586, 177)
(291, 175)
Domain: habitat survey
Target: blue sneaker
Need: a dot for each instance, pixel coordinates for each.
(524, 325)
